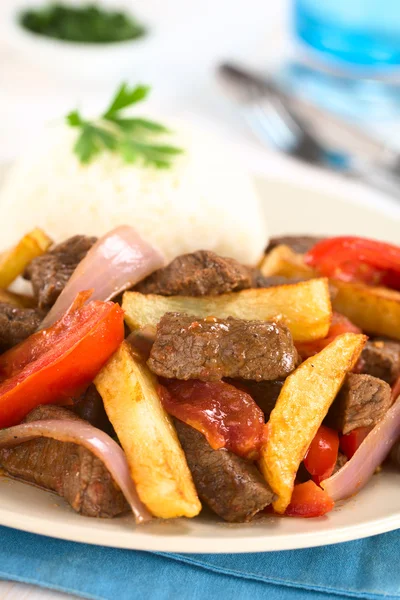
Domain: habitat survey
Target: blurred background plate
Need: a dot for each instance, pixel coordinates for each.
(78, 62)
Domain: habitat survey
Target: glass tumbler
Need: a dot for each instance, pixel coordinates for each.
(346, 56)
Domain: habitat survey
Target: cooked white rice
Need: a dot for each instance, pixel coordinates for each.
(205, 201)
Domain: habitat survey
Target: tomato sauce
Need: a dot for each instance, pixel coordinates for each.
(227, 416)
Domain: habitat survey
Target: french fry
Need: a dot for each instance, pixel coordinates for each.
(286, 263)
(304, 307)
(375, 310)
(300, 409)
(14, 261)
(155, 457)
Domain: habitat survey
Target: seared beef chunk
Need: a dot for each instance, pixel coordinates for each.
(230, 485)
(209, 349)
(50, 272)
(204, 273)
(16, 324)
(90, 407)
(201, 273)
(381, 358)
(340, 462)
(263, 281)
(264, 393)
(266, 281)
(65, 468)
(298, 243)
(362, 402)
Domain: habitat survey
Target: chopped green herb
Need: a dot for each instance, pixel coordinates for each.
(132, 138)
(86, 24)
(126, 97)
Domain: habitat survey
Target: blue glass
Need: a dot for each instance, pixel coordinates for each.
(347, 59)
(364, 33)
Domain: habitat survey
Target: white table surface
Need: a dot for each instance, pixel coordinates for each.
(250, 30)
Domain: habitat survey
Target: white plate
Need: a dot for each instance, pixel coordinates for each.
(376, 509)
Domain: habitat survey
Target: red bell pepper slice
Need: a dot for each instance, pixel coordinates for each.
(351, 258)
(227, 416)
(322, 454)
(350, 442)
(309, 500)
(55, 364)
(340, 324)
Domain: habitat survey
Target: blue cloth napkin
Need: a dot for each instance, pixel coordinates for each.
(366, 568)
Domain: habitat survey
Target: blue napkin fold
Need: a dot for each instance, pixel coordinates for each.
(366, 568)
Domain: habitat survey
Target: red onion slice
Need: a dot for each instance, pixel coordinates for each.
(95, 440)
(372, 452)
(116, 262)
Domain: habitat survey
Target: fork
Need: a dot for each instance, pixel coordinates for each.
(273, 121)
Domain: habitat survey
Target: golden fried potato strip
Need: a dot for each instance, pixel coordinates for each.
(147, 435)
(301, 407)
(374, 309)
(305, 307)
(286, 263)
(14, 261)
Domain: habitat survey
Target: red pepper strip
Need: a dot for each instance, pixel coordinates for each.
(322, 454)
(18, 357)
(57, 363)
(357, 259)
(309, 500)
(350, 442)
(340, 324)
(228, 417)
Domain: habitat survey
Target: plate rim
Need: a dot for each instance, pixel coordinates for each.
(158, 543)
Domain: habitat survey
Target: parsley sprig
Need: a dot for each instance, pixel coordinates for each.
(132, 138)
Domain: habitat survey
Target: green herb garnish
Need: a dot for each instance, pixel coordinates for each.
(85, 24)
(132, 138)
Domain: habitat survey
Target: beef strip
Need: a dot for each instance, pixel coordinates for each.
(16, 324)
(381, 358)
(230, 485)
(264, 393)
(340, 462)
(209, 349)
(362, 402)
(68, 469)
(200, 273)
(205, 273)
(90, 407)
(266, 281)
(298, 243)
(50, 272)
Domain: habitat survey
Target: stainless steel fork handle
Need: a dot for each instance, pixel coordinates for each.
(328, 127)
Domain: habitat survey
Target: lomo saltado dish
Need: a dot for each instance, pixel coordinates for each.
(128, 384)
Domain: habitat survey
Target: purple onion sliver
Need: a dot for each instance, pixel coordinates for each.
(370, 455)
(115, 263)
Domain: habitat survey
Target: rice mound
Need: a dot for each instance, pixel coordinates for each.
(205, 201)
